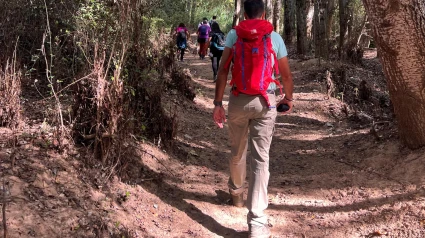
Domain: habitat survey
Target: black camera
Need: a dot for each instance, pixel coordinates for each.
(283, 108)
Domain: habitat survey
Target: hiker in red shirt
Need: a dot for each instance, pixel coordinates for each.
(258, 54)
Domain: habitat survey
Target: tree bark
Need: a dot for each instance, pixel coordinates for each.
(343, 25)
(319, 28)
(310, 16)
(289, 22)
(237, 14)
(303, 7)
(277, 14)
(398, 28)
(269, 10)
(242, 12)
(192, 13)
(330, 11)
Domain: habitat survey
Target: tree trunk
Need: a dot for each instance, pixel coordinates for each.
(330, 11)
(343, 25)
(192, 13)
(310, 16)
(237, 14)
(319, 26)
(303, 7)
(242, 12)
(289, 16)
(269, 10)
(277, 14)
(353, 50)
(398, 28)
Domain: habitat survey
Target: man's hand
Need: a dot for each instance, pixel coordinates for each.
(219, 116)
(287, 102)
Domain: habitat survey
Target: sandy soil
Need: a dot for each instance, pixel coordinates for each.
(330, 177)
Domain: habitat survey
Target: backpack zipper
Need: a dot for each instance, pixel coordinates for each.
(243, 66)
(264, 64)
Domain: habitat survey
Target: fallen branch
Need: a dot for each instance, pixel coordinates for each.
(67, 86)
(92, 136)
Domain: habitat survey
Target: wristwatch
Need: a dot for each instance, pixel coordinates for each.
(287, 99)
(218, 103)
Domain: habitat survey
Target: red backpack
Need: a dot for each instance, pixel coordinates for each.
(252, 55)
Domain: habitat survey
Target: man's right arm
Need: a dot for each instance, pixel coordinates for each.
(223, 71)
(219, 115)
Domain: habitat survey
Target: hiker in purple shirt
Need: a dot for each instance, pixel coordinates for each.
(203, 35)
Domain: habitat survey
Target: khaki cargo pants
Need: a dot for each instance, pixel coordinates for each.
(251, 122)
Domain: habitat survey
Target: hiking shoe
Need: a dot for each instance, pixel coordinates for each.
(215, 78)
(238, 200)
(256, 231)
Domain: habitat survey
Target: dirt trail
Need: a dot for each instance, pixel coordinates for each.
(329, 178)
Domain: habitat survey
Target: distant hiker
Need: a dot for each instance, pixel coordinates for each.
(202, 22)
(256, 51)
(214, 19)
(217, 44)
(203, 34)
(181, 37)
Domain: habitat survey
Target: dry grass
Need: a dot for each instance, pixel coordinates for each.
(10, 91)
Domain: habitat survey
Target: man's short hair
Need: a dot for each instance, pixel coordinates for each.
(214, 17)
(253, 8)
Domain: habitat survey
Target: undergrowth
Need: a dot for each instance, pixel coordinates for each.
(10, 92)
(105, 65)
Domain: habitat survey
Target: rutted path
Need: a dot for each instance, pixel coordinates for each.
(327, 179)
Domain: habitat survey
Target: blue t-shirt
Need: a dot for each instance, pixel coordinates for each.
(277, 44)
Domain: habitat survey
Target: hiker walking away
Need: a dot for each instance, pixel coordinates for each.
(181, 37)
(202, 22)
(217, 44)
(203, 34)
(256, 51)
(214, 19)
